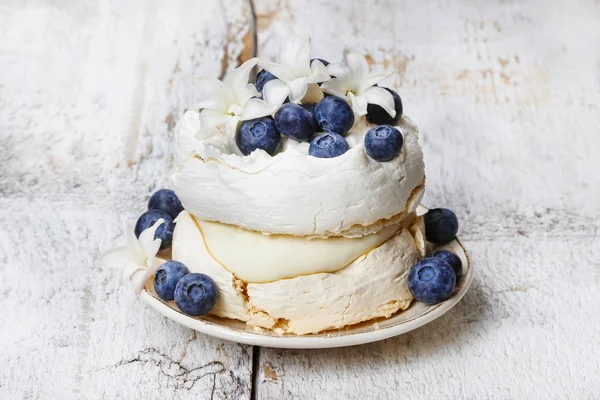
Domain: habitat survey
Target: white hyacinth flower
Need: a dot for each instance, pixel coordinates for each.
(137, 259)
(232, 100)
(297, 76)
(353, 81)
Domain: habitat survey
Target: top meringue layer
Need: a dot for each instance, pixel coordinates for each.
(292, 192)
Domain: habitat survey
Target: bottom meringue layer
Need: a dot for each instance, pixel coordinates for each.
(372, 286)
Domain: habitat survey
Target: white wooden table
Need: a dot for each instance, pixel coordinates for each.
(506, 93)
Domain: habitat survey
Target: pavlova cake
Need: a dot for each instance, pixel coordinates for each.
(293, 202)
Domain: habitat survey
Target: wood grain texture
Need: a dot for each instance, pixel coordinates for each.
(89, 92)
(506, 95)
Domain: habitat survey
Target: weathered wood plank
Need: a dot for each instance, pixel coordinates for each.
(89, 92)
(523, 331)
(506, 95)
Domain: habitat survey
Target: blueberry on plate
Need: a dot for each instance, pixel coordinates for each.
(258, 133)
(334, 114)
(431, 280)
(294, 121)
(383, 142)
(328, 145)
(262, 78)
(166, 200)
(166, 278)
(451, 259)
(164, 232)
(441, 225)
(196, 294)
(377, 115)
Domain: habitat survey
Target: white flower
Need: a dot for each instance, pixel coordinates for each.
(137, 259)
(232, 100)
(297, 76)
(353, 81)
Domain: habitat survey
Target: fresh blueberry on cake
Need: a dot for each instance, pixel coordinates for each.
(379, 116)
(286, 229)
(166, 278)
(164, 231)
(262, 78)
(295, 122)
(383, 142)
(334, 114)
(310, 107)
(431, 280)
(260, 133)
(328, 145)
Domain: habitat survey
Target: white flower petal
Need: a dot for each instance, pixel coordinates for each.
(381, 97)
(232, 124)
(213, 104)
(356, 62)
(275, 92)
(245, 94)
(359, 104)
(289, 50)
(130, 269)
(238, 78)
(281, 71)
(371, 80)
(213, 118)
(297, 88)
(139, 278)
(133, 245)
(256, 108)
(149, 244)
(217, 90)
(319, 72)
(314, 94)
(339, 71)
(334, 87)
(302, 56)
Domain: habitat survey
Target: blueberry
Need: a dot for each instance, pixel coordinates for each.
(451, 259)
(295, 122)
(166, 278)
(166, 200)
(259, 133)
(328, 145)
(325, 63)
(383, 142)
(441, 225)
(431, 280)
(263, 77)
(310, 107)
(377, 115)
(196, 294)
(334, 114)
(164, 231)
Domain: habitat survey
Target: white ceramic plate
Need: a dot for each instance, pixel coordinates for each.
(417, 315)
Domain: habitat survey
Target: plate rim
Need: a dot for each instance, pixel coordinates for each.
(312, 341)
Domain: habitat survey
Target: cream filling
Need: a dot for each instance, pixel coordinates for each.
(256, 258)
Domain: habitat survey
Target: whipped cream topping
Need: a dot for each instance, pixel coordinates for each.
(374, 285)
(292, 192)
